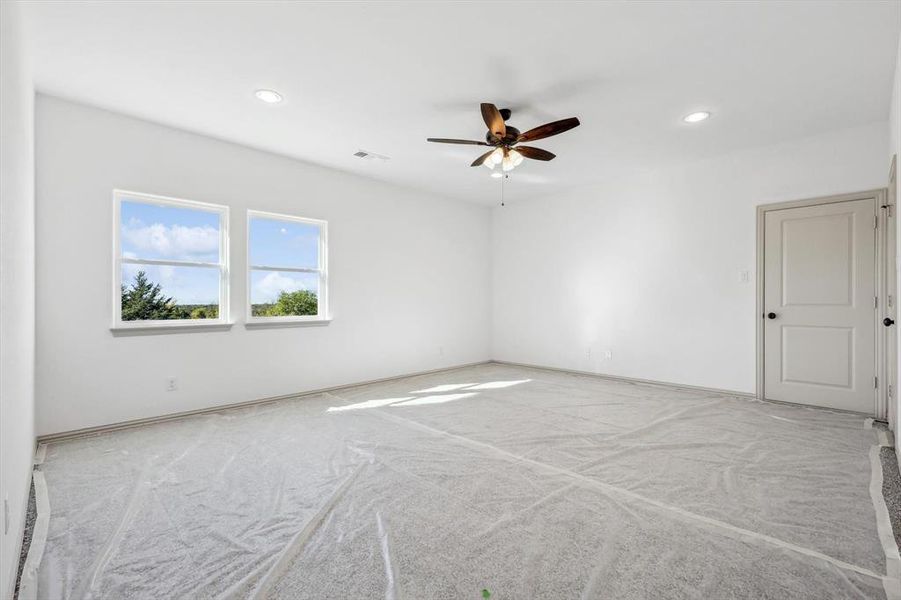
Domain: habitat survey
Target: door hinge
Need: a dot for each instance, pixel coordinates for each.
(876, 302)
(891, 301)
(876, 382)
(875, 221)
(891, 392)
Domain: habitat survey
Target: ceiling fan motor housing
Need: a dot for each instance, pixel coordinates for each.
(509, 138)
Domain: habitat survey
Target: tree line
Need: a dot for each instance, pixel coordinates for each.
(144, 300)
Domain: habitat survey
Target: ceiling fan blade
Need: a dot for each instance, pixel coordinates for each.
(478, 162)
(534, 153)
(493, 120)
(452, 141)
(548, 129)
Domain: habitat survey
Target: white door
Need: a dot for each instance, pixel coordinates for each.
(819, 305)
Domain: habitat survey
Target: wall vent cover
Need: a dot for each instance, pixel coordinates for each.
(367, 155)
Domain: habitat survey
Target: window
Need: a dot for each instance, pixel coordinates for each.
(287, 275)
(170, 262)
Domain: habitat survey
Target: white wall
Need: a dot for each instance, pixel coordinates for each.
(16, 284)
(649, 266)
(409, 273)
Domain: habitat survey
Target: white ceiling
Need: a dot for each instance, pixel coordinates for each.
(384, 76)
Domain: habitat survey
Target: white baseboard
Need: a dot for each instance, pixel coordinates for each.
(55, 437)
(680, 386)
(74, 433)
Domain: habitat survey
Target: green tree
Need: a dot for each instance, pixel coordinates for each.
(292, 304)
(144, 301)
(205, 312)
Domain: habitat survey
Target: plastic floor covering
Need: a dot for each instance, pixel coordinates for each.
(526, 483)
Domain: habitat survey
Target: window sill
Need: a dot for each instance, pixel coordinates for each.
(274, 322)
(167, 329)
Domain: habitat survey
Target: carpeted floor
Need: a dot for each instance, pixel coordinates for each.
(524, 482)
(891, 489)
(30, 515)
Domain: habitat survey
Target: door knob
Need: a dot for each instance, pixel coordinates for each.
(771, 315)
(888, 321)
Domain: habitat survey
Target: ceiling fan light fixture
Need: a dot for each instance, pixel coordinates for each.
(497, 174)
(494, 158)
(516, 157)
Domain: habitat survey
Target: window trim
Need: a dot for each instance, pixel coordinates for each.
(323, 317)
(162, 326)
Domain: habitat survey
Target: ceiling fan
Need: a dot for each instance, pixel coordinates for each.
(503, 139)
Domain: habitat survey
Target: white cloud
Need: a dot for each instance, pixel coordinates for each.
(268, 288)
(176, 241)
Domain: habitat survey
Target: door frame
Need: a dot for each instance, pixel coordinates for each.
(890, 268)
(879, 198)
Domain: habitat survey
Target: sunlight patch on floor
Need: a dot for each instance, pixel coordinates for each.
(497, 385)
(368, 404)
(436, 395)
(435, 399)
(448, 387)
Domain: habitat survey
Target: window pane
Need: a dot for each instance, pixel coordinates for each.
(278, 243)
(182, 293)
(168, 232)
(284, 294)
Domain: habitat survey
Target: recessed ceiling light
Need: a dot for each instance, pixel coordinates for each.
(269, 96)
(696, 117)
(497, 174)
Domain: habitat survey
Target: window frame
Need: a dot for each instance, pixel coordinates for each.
(118, 260)
(323, 316)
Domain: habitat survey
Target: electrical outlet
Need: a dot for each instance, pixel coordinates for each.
(744, 276)
(608, 355)
(589, 353)
(171, 384)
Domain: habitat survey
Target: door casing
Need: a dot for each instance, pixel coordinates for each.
(890, 341)
(880, 392)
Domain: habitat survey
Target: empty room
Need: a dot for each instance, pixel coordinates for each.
(449, 300)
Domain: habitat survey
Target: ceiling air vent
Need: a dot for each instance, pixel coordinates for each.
(366, 155)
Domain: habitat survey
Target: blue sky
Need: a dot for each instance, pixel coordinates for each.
(174, 233)
(283, 243)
